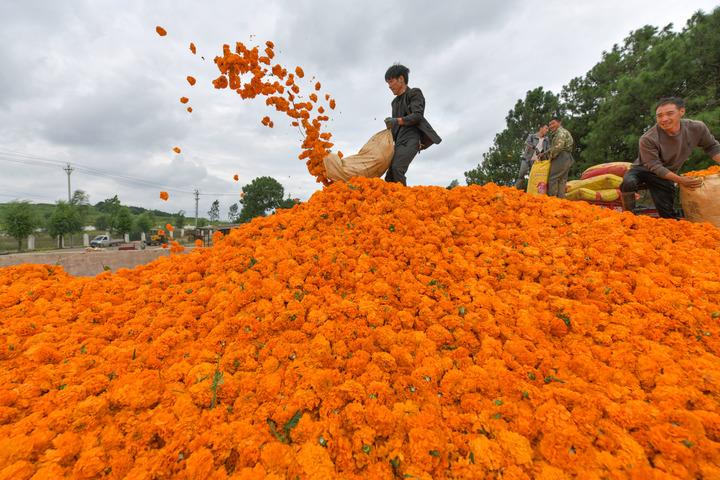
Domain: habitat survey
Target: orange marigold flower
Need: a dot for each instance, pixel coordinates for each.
(169, 227)
(198, 243)
(189, 109)
(184, 99)
(164, 245)
(236, 177)
(318, 86)
(299, 72)
(164, 195)
(160, 31)
(332, 104)
(191, 80)
(715, 169)
(176, 149)
(192, 48)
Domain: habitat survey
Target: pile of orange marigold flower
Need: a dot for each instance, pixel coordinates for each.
(377, 332)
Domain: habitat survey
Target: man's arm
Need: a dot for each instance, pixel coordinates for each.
(529, 148)
(710, 144)
(649, 158)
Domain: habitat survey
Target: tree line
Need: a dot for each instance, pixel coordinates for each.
(612, 105)
(21, 219)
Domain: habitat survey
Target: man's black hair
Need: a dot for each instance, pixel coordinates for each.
(396, 71)
(556, 117)
(677, 101)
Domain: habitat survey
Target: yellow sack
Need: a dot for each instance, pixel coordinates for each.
(538, 179)
(609, 195)
(703, 203)
(372, 160)
(572, 185)
(601, 182)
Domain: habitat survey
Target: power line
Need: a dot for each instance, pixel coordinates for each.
(123, 179)
(24, 159)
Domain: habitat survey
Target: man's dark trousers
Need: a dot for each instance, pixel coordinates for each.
(406, 147)
(662, 191)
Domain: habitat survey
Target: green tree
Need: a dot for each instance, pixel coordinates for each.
(144, 222)
(81, 201)
(500, 164)
(64, 220)
(214, 212)
(180, 219)
(233, 213)
(111, 206)
(18, 220)
(612, 130)
(102, 222)
(453, 184)
(259, 197)
(288, 203)
(123, 221)
(612, 105)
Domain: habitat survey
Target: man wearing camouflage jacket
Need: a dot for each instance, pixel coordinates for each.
(560, 156)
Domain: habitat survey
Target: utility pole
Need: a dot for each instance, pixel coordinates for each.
(68, 170)
(197, 199)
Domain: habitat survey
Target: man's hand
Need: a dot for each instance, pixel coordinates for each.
(690, 182)
(390, 122)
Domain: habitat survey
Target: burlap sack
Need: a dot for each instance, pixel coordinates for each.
(372, 160)
(702, 204)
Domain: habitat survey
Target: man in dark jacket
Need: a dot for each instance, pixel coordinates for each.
(411, 132)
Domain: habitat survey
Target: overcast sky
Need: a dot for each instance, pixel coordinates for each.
(91, 83)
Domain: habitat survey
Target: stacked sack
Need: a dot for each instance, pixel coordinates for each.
(599, 185)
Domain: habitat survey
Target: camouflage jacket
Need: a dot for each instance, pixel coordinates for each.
(561, 141)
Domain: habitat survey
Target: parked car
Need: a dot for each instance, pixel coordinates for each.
(101, 241)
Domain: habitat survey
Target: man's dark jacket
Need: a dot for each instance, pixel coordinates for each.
(411, 107)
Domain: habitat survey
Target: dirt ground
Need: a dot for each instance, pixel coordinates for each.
(87, 263)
